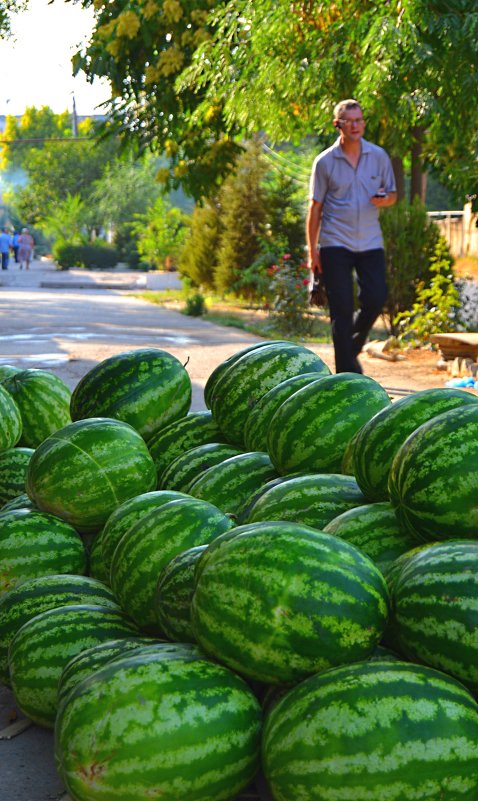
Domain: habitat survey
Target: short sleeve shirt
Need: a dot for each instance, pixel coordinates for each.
(349, 219)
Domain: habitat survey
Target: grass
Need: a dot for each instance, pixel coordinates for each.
(234, 313)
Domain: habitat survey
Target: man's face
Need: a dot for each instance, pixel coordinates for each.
(351, 125)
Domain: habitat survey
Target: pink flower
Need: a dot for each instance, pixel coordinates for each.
(286, 256)
(305, 281)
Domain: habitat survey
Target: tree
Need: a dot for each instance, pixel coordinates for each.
(198, 258)
(243, 217)
(160, 232)
(141, 46)
(275, 66)
(40, 173)
(7, 8)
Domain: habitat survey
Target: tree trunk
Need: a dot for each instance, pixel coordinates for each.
(399, 172)
(417, 185)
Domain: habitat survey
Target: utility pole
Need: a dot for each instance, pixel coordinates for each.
(74, 118)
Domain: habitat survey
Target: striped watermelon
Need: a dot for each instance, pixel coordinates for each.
(187, 467)
(28, 599)
(249, 378)
(195, 429)
(19, 502)
(6, 370)
(147, 388)
(374, 529)
(87, 469)
(10, 420)
(311, 430)
(229, 484)
(380, 438)
(373, 731)
(221, 368)
(13, 472)
(42, 647)
(126, 516)
(312, 500)
(174, 593)
(258, 421)
(91, 659)
(197, 735)
(243, 515)
(280, 601)
(44, 403)
(434, 477)
(33, 544)
(435, 609)
(150, 544)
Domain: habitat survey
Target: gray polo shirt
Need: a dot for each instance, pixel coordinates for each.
(349, 219)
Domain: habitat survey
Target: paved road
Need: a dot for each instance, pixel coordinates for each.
(66, 323)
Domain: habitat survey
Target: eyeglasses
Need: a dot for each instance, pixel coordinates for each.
(353, 122)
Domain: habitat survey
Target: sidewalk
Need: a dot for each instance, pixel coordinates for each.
(43, 274)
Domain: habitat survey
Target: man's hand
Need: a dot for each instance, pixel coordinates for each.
(314, 260)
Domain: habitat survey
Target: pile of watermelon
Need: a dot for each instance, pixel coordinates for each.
(274, 598)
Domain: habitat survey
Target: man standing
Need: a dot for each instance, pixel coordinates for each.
(350, 182)
(5, 244)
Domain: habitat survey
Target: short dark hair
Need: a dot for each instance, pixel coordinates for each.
(345, 105)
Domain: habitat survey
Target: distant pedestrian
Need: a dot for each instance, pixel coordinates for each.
(15, 238)
(5, 243)
(25, 248)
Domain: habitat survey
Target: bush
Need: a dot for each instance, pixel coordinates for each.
(99, 257)
(410, 239)
(289, 312)
(437, 303)
(195, 305)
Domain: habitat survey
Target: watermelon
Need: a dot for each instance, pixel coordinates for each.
(195, 429)
(44, 403)
(19, 502)
(33, 544)
(150, 544)
(311, 430)
(147, 388)
(125, 517)
(6, 370)
(187, 467)
(174, 593)
(434, 477)
(258, 421)
(87, 469)
(13, 471)
(435, 609)
(96, 565)
(279, 601)
(380, 438)
(313, 500)
(223, 366)
(248, 379)
(373, 731)
(229, 484)
(10, 421)
(37, 595)
(43, 645)
(91, 659)
(375, 530)
(195, 736)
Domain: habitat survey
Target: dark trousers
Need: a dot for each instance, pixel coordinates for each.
(5, 258)
(350, 329)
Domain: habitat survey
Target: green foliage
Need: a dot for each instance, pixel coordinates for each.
(93, 256)
(66, 224)
(198, 257)
(437, 303)
(160, 232)
(410, 239)
(289, 313)
(243, 212)
(195, 305)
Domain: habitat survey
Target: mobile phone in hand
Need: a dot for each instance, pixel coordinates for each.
(380, 194)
